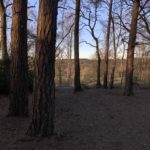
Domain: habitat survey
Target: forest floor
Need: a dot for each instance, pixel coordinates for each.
(95, 119)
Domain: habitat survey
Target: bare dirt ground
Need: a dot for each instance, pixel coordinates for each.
(94, 119)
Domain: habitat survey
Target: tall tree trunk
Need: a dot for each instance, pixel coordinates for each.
(3, 31)
(122, 64)
(98, 84)
(77, 85)
(60, 71)
(112, 75)
(44, 86)
(18, 88)
(105, 84)
(3, 41)
(130, 52)
(69, 58)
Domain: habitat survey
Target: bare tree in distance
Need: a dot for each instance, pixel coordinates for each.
(105, 83)
(92, 20)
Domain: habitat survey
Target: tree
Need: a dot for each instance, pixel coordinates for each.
(112, 75)
(43, 93)
(18, 76)
(3, 31)
(77, 85)
(105, 84)
(3, 42)
(116, 39)
(92, 20)
(130, 52)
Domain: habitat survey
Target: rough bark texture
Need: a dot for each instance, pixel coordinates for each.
(77, 85)
(44, 87)
(130, 52)
(18, 88)
(105, 84)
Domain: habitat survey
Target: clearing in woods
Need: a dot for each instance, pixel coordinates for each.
(95, 119)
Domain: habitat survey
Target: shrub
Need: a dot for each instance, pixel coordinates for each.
(4, 86)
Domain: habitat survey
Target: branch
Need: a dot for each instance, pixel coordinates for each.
(64, 37)
(87, 43)
(8, 5)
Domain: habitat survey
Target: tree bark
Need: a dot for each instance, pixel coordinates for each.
(18, 86)
(130, 52)
(77, 85)
(105, 84)
(44, 86)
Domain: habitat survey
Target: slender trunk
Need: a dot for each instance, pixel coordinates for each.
(18, 86)
(44, 86)
(112, 75)
(130, 53)
(105, 84)
(77, 85)
(98, 84)
(69, 59)
(60, 72)
(122, 66)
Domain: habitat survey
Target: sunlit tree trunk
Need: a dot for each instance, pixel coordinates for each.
(44, 87)
(77, 85)
(18, 88)
(130, 52)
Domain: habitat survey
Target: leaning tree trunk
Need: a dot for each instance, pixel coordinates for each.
(130, 52)
(77, 85)
(18, 86)
(105, 84)
(43, 94)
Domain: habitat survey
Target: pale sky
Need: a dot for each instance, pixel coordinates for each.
(86, 51)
